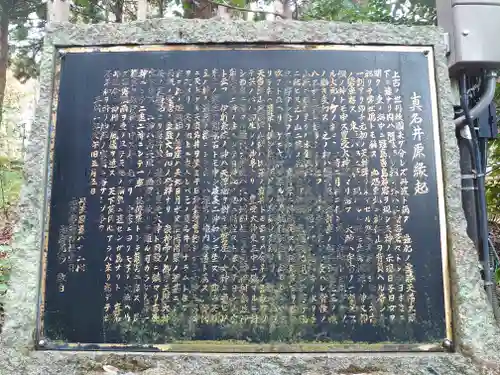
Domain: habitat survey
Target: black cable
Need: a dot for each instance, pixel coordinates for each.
(464, 102)
(471, 142)
(481, 189)
(483, 142)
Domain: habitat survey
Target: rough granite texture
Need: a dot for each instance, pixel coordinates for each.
(477, 338)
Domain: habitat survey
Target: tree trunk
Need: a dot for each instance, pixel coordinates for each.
(160, 8)
(199, 9)
(278, 7)
(4, 57)
(287, 9)
(283, 7)
(118, 11)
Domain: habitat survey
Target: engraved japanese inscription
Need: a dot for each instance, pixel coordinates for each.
(245, 194)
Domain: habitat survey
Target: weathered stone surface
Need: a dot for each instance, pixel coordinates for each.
(164, 364)
(476, 335)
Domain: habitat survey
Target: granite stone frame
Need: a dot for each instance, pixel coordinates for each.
(476, 336)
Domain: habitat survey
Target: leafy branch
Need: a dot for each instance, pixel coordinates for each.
(229, 6)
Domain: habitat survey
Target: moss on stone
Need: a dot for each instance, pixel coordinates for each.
(353, 369)
(278, 347)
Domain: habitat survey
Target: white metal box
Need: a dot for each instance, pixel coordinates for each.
(473, 29)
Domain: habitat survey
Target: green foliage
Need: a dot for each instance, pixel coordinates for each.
(335, 10)
(370, 11)
(10, 184)
(88, 11)
(10, 187)
(24, 60)
(27, 34)
(493, 178)
(4, 270)
(493, 181)
(26, 22)
(239, 3)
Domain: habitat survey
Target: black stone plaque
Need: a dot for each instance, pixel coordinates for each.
(245, 195)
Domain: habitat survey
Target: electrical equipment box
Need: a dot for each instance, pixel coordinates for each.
(472, 30)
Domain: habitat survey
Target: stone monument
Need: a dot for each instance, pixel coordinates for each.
(270, 197)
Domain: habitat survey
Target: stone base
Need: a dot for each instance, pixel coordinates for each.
(475, 333)
(54, 363)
